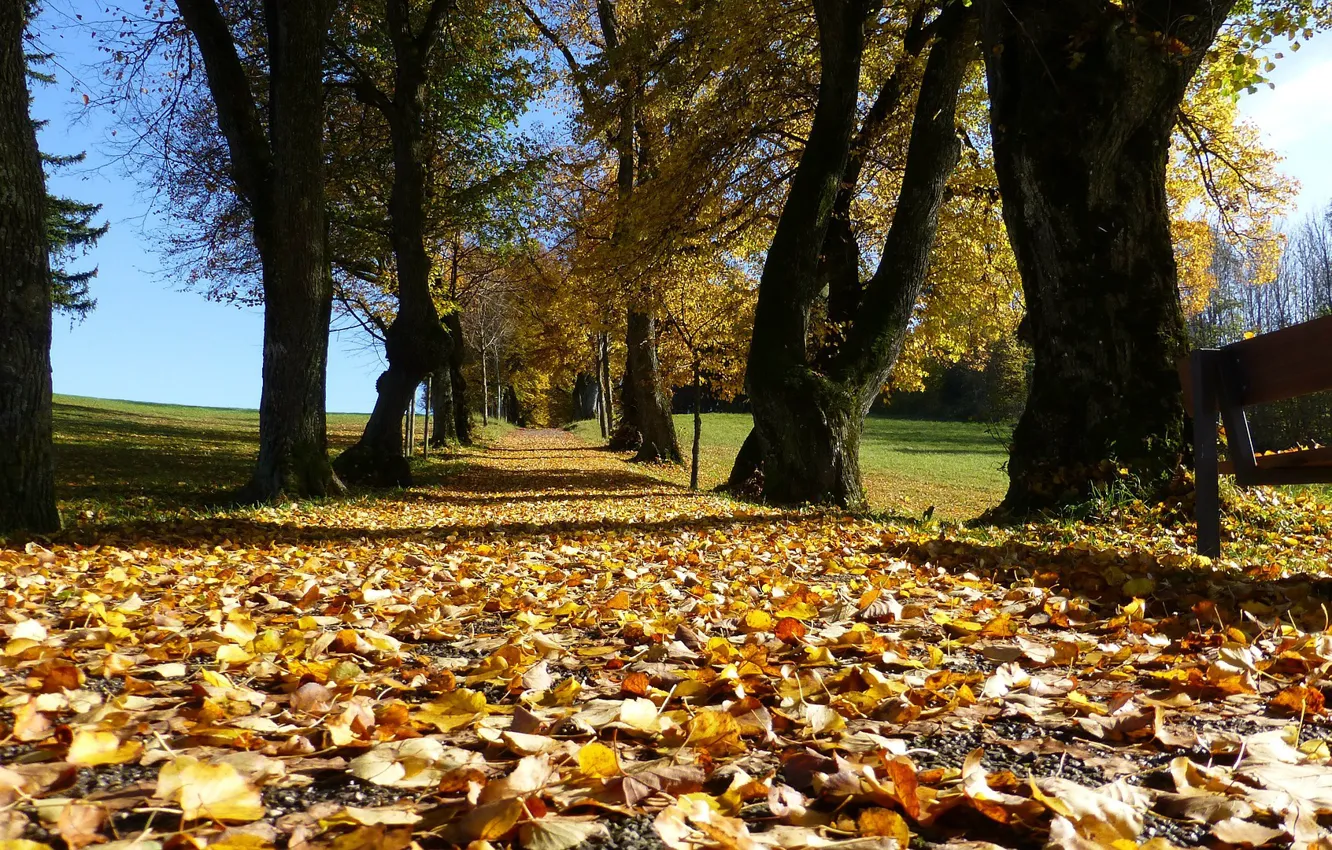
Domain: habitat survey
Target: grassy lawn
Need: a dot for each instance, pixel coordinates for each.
(908, 464)
(126, 460)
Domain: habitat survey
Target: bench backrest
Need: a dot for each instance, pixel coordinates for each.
(1274, 366)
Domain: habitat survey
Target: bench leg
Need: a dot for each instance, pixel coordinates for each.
(1206, 475)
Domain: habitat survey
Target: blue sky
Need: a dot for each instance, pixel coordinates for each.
(150, 341)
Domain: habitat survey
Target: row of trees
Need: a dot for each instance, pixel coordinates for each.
(891, 199)
(843, 189)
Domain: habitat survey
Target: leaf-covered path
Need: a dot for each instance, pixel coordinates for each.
(554, 648)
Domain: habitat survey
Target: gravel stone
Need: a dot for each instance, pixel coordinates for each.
(110, 777)
(332, 788)
(627, 834)
(1179, 833)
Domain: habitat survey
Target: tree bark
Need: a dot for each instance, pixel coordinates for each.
(485, 392)
(1082, 108)
(809, 408)
(698, 429)
(445, 431)
(626, 436)
(604, 383)
(416, 343)
(746, 476)
(27, 460)
(279, 173)
(462, 411)
(586, 404)
(655, 426)
(646, 416)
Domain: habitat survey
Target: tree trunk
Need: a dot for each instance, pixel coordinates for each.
(445, 432)
(782, 388)
(698, 429)
(279, 172)
(585, 401)
(416, 344)
(485, 392)
(655, 426)
(27, 464)
(462, 412)
(1082, 108)
(626, 436)
(809, 409)
(604, 383)
(746, 476)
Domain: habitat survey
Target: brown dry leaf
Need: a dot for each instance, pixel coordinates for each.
(636, 683)
(790, 630)
(452, 710)
(312, 698)
(1297, 701)
(996, 805)
(886, 823)
(79, 824)
(531, 774)
(390, 816)
(1245, 833)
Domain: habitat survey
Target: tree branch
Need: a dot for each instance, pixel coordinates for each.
(237, 114)
(575, 68)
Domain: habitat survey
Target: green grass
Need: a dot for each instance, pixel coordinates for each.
(908, 464)
(121, 461)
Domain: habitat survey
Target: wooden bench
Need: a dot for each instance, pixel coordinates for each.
(1270, 367)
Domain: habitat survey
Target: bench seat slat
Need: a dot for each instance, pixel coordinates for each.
(1283, 364)
(1321, 456)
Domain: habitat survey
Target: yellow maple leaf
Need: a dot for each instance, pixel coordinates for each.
(215, 791)
(90, 748)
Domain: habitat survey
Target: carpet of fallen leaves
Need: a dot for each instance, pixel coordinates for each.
(554, 651)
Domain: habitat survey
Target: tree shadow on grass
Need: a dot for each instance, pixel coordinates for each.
(499, 481)
(258, 533)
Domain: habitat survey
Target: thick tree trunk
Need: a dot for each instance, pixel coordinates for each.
(781, 385)
(416, 343)
(626, 437)
(298, 287)
(746, 476)
(809, 409)
(279, 172)
(655, 426)
(293, 437)
(816, 456)
(1082, 109)
(27, 465)
(585, 397)
(462, 411)
(414, 351)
